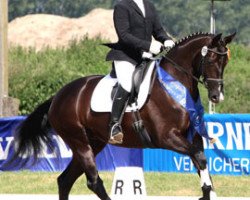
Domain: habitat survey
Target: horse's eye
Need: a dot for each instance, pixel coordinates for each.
(209, 61)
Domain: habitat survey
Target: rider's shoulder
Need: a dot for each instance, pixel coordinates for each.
(122, 3)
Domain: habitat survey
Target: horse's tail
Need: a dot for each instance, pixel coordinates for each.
(31, 135)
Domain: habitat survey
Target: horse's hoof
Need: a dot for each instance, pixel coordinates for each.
(208, 193)
(212, 196)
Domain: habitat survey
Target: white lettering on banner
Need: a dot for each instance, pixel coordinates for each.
(227, 165)
(64, 150)
(235, 136)
(61, 149)
(236, 165)
(45, 152)
(219, 168)
(184, 163)
(178, 163)
(247, 135)
(217, 164)
(245, 163)
(187, 164)
(5, 152)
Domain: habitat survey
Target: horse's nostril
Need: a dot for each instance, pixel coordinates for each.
(215, 98)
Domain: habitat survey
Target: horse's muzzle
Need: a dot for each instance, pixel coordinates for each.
(216, 97)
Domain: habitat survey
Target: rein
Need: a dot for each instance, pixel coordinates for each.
(182, 69)
(204, 52)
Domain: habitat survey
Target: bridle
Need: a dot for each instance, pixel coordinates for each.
(204, 53)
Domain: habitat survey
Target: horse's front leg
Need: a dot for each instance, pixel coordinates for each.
(200, 163)
(175, 141)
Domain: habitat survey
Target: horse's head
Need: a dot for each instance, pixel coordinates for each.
(214, 59)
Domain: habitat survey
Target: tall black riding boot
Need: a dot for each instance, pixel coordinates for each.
(118, 108)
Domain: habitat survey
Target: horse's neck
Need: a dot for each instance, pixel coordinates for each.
(187, 57)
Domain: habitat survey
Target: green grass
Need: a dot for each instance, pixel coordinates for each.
(157, 184)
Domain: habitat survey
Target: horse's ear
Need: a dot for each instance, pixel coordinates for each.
(216, 39)
(229, 38)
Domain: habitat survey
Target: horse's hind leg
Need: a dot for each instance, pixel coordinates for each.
(83, 162)
(66, 180)
(200, 163)
(94, 182)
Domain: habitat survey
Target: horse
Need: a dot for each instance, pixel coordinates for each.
(68, 112)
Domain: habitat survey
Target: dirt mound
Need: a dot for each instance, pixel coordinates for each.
(41, 30)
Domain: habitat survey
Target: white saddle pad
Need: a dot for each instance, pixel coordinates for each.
(101, 99)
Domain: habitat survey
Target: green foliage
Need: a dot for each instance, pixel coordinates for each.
(36, 76)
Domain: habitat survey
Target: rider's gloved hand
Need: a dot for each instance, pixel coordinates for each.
(155, 47)
(147, 55)
(169, 43)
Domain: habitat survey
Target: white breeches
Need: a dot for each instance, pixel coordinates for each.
(124, 72)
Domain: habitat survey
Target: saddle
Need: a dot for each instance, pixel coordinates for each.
(101, 100)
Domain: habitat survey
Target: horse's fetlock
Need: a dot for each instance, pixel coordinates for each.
(60, 181)
(92, 185)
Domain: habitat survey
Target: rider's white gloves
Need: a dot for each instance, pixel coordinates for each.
(147, 55)
(155, 47)
(169, 43)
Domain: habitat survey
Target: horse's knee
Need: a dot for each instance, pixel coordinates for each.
(201, 159)
(198, 157)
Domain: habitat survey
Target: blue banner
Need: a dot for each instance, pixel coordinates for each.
(110, 158)
(230, 155)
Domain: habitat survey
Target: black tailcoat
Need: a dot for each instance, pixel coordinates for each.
(134, 31)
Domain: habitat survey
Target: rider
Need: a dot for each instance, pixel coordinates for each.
(136, 21)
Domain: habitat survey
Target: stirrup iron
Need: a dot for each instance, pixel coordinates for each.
(116, 138)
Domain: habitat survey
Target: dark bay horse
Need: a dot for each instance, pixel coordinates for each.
(87, 132)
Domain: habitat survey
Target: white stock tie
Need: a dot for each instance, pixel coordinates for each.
(141, 6)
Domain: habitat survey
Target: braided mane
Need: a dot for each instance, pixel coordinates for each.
(191, 36)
